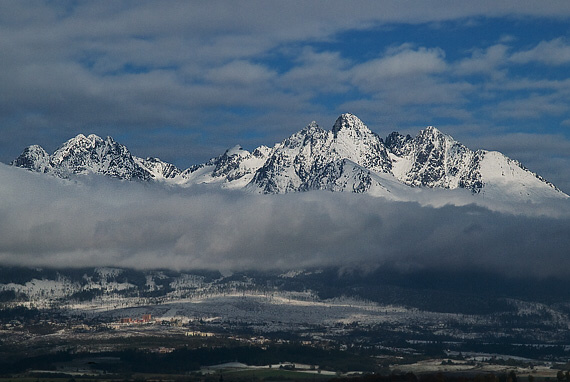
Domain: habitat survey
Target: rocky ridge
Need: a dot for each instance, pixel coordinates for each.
(349, 157)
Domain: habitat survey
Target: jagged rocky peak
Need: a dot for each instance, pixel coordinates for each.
(312, 126)
(398, 143)
(433, 159)
(85, 155)
(350, 124)
(236, 150)
(312, 131)
(353, 140)
(34, 158)
(261, 151)
(89, 149)
(74, 147)
(80, 141)
(310, 135)
(433, 135)
(237, 163)
(314, 158)
(229, 161)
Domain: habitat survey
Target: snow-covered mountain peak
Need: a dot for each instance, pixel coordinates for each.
(80, 138)
(71, 147)
(312, 126)
(434, 136)
(93, 138)
(33, 157)
(236, 150)
(430, 130)
(75, 146)
(310, 129)
(353, 140)
(349, 157)
(261, 151)
(233, 169)
(351, 125)
(86, 155)
(507, 179)
(311, 135)
(318, 159)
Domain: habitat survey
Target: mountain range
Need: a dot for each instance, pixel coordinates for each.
(347, 158)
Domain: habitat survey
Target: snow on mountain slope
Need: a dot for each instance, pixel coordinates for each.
(506, 179)
(158, 169)
(347, 158)
(353, 140)
(233, 169)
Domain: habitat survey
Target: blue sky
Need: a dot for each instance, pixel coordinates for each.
(186, 80)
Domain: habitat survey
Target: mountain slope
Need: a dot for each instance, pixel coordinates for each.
(349, 157)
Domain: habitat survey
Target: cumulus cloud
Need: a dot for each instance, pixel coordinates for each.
(240, 72)
(405, 62)
(484, 61)
(318, 72)
(49, 222)
(406, 76)
(554, 52)
(533, 106)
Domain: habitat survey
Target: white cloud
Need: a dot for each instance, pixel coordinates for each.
(533, 106)
(531, 84)
(406, 76)
(240, 73)
(554, 52)
(406, 64)
(48, 222)
(484, 61)
(318, 72)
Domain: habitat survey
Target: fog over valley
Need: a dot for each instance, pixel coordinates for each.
(50, 222)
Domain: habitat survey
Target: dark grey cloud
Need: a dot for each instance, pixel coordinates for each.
(49, 222)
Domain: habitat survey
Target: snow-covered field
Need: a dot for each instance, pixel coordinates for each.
(108, 295)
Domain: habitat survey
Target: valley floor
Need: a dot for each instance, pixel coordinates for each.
(188, 324)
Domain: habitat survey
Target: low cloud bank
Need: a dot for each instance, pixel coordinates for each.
(52, 223)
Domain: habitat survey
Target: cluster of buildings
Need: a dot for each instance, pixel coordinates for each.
(145, 319)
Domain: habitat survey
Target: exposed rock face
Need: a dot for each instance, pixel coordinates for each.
(315, 158)
(433, 159)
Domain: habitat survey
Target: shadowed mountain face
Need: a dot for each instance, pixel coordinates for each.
(349, 157)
